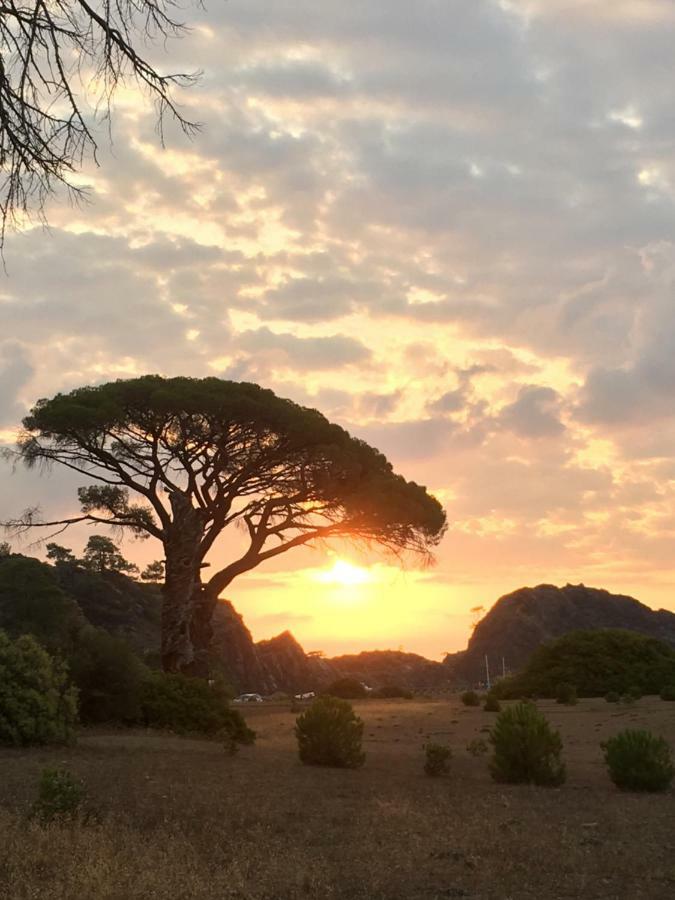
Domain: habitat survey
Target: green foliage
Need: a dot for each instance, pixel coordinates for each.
(437, 759)
(32, 602)
(639, 761)
(477, 747)
(109, 678)
(37, 703)
(154, 571)
(190, 706)
(59, 555)
(392, 691)
(102, 555)
(329, 733)
(347, 689)
(526, 749)
(566, 694)
(612, 697)
(470, 698)
(492, 704)
(60, 796)
(597, 662)
(668, 693)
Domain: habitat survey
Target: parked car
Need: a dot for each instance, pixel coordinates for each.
(310, 695)
(248, 698)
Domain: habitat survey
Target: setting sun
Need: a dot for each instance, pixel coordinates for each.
(344, 573)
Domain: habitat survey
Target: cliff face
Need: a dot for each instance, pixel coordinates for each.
(519, 622)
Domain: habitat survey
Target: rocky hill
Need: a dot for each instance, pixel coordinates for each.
(519, 622)
(393, 667)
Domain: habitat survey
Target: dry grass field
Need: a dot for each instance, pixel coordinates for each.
(180, 819)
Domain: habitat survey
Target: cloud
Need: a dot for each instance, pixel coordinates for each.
(534, 414)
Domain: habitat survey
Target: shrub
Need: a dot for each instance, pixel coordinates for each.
(612, 697)
(189, 706)
(526, 749)
(391, 691)
(566, 694)
(639, 761)
(109, 678)
(329, 734)
(492, 704)
(477, 747)
(668, 692)
(470, 698)
(347, 689)
(38, 705)
(60, 796)
(437, 759)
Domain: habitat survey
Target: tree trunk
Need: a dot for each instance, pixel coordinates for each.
(183, 591)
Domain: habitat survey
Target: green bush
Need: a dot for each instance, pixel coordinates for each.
(108, 676)
(347, 689)
(639, 761)
(60, 796)
(437, 759)
(189, 706)
(566, 694)
(392, 691)
(668, 693)
(470, 698)
(526, 749)
(38, 705)
(477, 747)
(329, 733)
(492, 704)
(612, 697)
(595, 661)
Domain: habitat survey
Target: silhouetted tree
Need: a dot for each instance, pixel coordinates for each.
(102, 555)
(204, 455)
(154, 571)
(5, 549)
(58, 58)
(60, 555)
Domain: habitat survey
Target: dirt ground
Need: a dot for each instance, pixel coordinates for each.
(179, 819)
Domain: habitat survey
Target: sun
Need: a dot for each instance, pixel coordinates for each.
(345, 574)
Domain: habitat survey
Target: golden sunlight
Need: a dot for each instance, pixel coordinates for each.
(344, 573)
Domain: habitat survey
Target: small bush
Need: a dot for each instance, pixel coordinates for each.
(526, 749)
(477, 747)
(60, 796)
(38, 705)
(566, 694)
(329, 733)
(635, 692)
(668, 693)
(470, 698)
(492, 704)
(347, 689)
(437, 759)
(612, 697)
(392, 691)
(190, 706)
(639, 761)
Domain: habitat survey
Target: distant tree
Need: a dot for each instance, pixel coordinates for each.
(205, 455)
(60, 555)
(154, 571)
(58, 60)
(5, 549)
(102, 555)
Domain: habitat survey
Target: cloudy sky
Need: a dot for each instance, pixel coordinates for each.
(450, 226)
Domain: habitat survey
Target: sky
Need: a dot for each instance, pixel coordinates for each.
(448, 225)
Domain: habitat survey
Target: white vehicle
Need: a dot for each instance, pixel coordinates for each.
(310, 695)
(248, 698)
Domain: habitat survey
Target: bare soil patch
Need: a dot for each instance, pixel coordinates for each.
(181, 819)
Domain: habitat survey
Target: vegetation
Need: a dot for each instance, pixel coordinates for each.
(391, 692)
(347, 689)
(668, 693)
(329, 733)
(612, 697)
(183, 459)
(437, 759)
(596, 662)
(526, 749)
(477, 747)
(60, 796)
(470, 698)
(492, 704)
(190, 706)
(566, 694)
(37, 703)
(637, 760)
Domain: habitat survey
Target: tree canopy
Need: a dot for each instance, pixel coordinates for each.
(184, 459)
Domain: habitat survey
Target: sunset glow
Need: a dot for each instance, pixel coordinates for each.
(344, 573)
